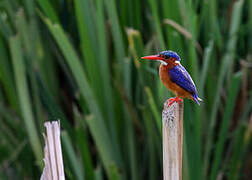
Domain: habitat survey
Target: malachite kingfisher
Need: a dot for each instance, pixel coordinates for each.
(175, 77)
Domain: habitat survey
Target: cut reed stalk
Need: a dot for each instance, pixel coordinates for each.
(54, 168)
(172, 118)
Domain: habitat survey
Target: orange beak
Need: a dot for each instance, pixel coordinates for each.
(152, 57)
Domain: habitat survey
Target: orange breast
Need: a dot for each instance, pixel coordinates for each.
(176, 89)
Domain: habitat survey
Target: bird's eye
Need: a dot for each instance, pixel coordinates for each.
(167, 56)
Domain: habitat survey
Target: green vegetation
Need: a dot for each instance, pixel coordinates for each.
(79, 61)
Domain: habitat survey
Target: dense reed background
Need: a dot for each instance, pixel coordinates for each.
(79, 61)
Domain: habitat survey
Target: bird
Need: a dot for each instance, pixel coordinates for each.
(175, 77)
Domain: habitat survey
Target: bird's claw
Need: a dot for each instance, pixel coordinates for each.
(172, 100)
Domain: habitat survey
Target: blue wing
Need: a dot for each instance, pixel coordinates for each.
(181, 77)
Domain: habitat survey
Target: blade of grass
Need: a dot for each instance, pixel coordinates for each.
(213, 22)
(196, 129)
(115, 28)
(173, 13)
(152, 159)
(124, 68)
(137, 8)
(102, 143)
(29, 7)
(154, 109)
(154, 9)
(8, 134)
(7, 77)
(104, 65)
(242, 139)
(123, 6)
(129, 134)
(51, 107)
(9, 7)
(236, 22)
(5, 29)
(87, 31)
(206, 60)
(48, 9)
(235, 163)
(24, 98)
(29, 42)
(84, 150)
(83, 144)
(231, 99)
(225, 64)
(72, 156)
(250, 25)
(98, 173)
(97, 126)
(88, 41)
(86, 24)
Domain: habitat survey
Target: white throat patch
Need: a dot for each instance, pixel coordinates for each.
(178, 62)
(163, 62)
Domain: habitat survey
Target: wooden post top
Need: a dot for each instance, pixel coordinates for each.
(172, 121)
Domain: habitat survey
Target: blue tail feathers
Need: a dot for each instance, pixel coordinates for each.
(197, 99)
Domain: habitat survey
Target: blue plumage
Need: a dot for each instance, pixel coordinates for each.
(175, 77)
(170, 54)
(181, 77)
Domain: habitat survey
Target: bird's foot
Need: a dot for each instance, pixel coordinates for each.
(172, 100)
